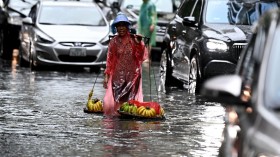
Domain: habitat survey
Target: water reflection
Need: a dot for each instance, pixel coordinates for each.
(41, 114)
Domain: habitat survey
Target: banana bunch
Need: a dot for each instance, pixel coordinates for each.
(146, 112)
(95, 105)
(128, 108)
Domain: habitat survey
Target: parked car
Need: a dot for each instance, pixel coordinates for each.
(205, 39)
(65, 33)
(11, 14)
(251, 95)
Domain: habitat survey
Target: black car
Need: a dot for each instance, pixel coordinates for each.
(252, 95)
(12, 13)
(205, 39)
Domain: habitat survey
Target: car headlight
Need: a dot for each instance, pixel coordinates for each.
(41, 37)
(216, 45)
(105, 41)
(15, 20)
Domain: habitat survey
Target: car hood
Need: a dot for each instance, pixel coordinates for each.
(228, 32)
(75, 33)
(21, 7)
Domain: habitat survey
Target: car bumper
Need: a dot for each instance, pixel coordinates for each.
(219, 67)
(57, 54)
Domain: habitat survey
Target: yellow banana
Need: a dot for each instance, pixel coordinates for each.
(148, 113)
(153, 112)
(97, 107)
(140, 110)
(90, 106)
(100, 106)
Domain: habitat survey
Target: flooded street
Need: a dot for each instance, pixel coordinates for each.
(41, 114)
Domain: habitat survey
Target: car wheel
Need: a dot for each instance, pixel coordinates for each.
(194, 82)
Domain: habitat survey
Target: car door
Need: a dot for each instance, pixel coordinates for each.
(27, 32)
(178, 52)
(249, 69)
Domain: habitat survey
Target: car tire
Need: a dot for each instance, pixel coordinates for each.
(194, 80)
(165, 71)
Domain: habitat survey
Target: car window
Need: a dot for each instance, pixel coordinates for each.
(197, 11)
(71, 15)
(259, 9)
(248, 13)
(186, 8)
(272, 90)
(217, 12)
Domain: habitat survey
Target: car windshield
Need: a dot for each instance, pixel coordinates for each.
(217, 12)
(234, 12)
(71, 15)
(272, 86)
(161, 5)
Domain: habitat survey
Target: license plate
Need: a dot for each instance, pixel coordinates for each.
(78, 52)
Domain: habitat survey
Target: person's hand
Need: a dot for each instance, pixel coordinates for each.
(152, 28)
(138, 38)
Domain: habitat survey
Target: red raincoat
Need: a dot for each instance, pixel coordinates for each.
(124, 60)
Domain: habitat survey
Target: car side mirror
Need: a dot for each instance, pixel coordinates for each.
(189, 21)
(27, 21)
(223, 89)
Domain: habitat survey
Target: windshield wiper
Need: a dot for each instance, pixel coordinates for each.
(48, 23)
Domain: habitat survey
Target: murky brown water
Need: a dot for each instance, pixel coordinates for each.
(41, 114)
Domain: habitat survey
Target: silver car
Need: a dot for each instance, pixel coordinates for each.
(66, 33)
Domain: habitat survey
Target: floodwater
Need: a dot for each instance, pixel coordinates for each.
(41, 114)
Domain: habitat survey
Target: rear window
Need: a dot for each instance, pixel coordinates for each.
(71, 15)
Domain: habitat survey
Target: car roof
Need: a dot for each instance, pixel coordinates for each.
(68, 3)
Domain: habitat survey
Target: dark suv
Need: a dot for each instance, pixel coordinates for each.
(205, 39)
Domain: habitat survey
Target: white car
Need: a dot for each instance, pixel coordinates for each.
(66, 33)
